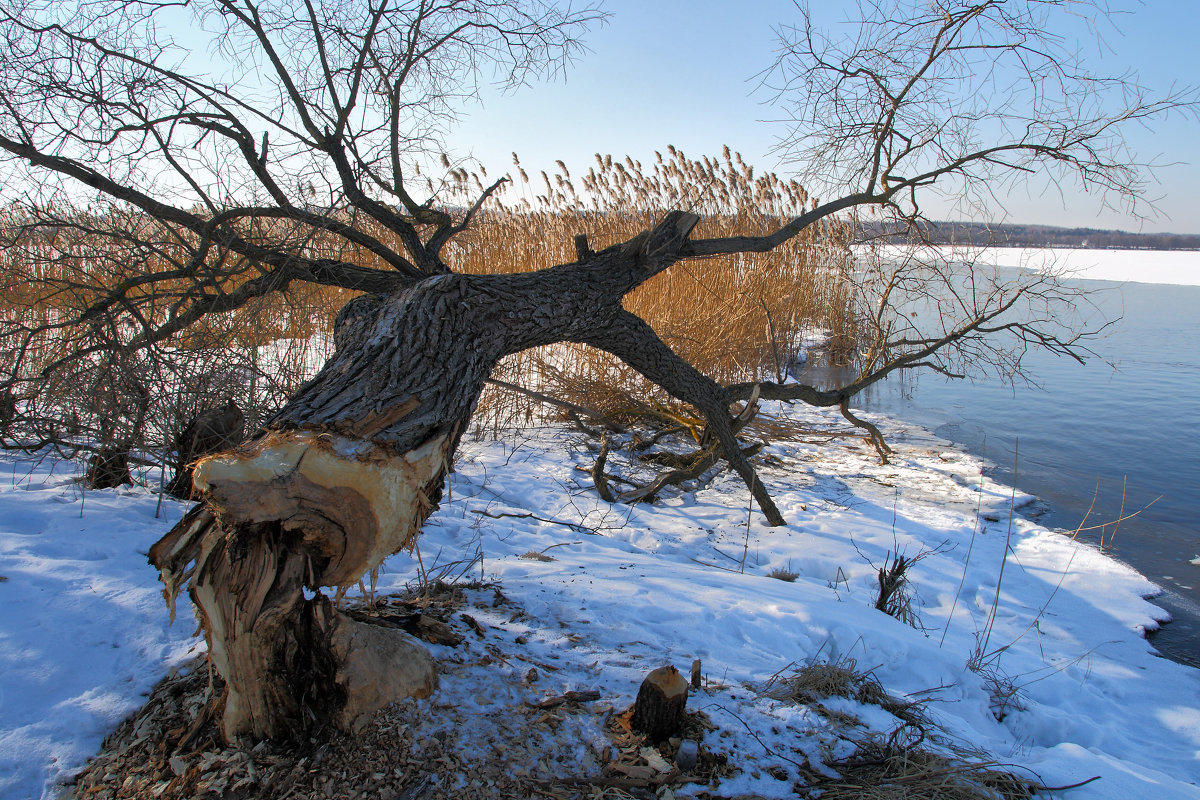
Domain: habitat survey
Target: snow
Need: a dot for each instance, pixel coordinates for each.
(1175, 267)
(84, 631)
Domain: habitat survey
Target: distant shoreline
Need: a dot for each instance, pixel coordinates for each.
(1115, 248)
(982, 234)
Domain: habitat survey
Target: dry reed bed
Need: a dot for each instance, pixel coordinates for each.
(735, 318)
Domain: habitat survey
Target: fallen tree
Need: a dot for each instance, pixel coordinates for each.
(349, 469)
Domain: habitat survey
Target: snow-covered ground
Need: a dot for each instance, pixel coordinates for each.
(84, 631)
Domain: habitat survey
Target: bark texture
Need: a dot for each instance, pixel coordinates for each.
(208, 432)
(347, 472)
(660, 705)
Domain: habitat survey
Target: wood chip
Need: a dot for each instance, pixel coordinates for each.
(585, 696)
(437, 632)
(408, 752)
(654, 760)
(475, 626)
(637, 772)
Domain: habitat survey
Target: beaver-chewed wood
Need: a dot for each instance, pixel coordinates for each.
(660, 705)
(291, 510)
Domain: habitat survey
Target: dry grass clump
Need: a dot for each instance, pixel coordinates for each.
(886, 771)
(819, 679)
(785, 574)
(1005, 695)
(896, 596)
(892, 767)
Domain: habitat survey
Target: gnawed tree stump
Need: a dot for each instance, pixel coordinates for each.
(353, 503)
(208, 432)
(660, 705)
(286, 511)
(108, 469)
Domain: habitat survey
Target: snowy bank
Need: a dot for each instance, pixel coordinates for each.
(1174, 267)
(1064, 686)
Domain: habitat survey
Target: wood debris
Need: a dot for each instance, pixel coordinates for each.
(444, 749)
(572, 697)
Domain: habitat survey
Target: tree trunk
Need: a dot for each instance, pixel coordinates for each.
(660, 705)
(210, 431)
(108, 469)
(348, 471)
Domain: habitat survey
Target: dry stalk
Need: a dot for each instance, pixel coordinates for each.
(736, 318)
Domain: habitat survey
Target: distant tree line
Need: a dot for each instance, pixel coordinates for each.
(1012, 235)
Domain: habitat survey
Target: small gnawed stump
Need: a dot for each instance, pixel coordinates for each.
(661, 702)
(108, 469)
(209, 432)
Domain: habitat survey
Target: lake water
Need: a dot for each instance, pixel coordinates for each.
(1122, 437)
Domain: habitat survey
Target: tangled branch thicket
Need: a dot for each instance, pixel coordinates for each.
(100, 386)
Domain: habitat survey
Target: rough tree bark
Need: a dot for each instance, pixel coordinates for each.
(661, 702)
(210, 431)
(348, 471)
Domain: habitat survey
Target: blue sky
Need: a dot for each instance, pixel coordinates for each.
(682, 72)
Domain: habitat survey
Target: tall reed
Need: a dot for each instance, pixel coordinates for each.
(735, 317)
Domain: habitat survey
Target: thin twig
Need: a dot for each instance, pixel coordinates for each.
(1012, 507)
(528, 515)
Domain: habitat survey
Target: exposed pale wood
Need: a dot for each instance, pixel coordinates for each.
(376, 666)
(288, 510)
(256, 622)
(287, 661)
(352, 502)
